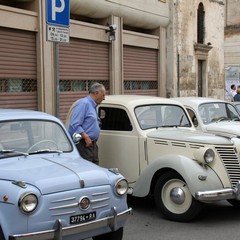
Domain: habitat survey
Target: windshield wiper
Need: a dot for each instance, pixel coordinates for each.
(45, 151)
(169, 126)
(13, 151)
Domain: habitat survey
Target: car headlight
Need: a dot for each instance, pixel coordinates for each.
(208, 156)
(204, 155)
(28, 203)
(121, 187)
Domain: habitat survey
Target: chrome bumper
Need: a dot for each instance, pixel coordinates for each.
(222, 194)
(59, 232)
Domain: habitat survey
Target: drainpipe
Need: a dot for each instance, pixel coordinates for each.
(178, 75)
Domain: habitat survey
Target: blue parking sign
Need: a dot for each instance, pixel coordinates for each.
(58, 12)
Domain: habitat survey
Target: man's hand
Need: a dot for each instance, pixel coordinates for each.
(87, 139)
(88, 142)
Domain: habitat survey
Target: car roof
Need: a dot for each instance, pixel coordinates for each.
(196, 101)
(16, 114)
(135, 100)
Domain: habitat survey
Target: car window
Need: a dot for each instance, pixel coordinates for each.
(115, 119)
(213, 112)
(27, 136)
(155, 116)
(237, 105)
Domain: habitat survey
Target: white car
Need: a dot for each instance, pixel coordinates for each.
(153, 143)
(212, 115)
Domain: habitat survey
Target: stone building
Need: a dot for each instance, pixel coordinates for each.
(195, 43)
(232, 43)
(156, 47)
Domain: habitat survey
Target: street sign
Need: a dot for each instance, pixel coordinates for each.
(58, 12)
(57, 21)
(57, 34)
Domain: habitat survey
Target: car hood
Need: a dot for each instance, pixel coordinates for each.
(226, 128)
(53, 174)
(188, 135)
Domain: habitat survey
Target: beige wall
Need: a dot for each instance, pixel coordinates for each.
(181, 38)
(232, 33)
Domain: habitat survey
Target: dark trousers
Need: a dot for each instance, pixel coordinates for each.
(88, 153)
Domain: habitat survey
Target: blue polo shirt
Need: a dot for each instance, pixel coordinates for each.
(84, 118)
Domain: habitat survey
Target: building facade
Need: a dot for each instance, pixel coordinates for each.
(158, 47)
(232, 44)
(195, 48)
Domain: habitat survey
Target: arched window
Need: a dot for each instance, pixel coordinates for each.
(200, 23)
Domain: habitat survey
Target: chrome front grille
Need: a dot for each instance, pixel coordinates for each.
(61, 206)
(231, 161)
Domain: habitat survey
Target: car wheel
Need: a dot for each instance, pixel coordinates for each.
(173, 198)
(117, 235)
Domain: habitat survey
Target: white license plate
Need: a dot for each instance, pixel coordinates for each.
(82, 218)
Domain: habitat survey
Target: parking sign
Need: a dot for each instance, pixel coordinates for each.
(58, 12)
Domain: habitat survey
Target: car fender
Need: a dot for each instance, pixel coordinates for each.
(10, 193)
(197, 177)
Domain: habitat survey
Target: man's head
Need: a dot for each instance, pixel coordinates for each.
(233, 87)
(97, 91)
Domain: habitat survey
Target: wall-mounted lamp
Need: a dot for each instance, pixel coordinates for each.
(111, 31)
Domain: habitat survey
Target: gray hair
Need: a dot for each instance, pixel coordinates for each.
(96, 87)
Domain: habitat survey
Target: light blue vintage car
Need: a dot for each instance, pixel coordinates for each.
(47, 190)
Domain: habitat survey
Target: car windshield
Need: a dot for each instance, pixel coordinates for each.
(32, 136)
(215, 112)
(155, 116)
(237, 105)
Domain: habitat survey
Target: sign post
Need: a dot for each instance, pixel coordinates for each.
(57, 21)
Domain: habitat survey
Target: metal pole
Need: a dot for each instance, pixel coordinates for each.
(57, 77)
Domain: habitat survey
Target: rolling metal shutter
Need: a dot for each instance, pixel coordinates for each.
(140, 68)
(82, 62)
(18, 69)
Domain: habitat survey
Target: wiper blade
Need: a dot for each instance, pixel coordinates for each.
(168, 126)
(45, 151)
(13, 151)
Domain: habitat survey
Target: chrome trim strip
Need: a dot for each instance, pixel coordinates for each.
(101, 193)
(63, 200)
(100, 200)
(64, 206)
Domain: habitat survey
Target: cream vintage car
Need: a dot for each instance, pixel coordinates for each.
(213, 115)
(154, 144)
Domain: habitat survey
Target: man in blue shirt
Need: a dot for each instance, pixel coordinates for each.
(84, 120)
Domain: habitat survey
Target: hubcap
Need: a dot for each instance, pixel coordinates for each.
(177, 195)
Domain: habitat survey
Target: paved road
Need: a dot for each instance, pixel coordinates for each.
(217, 222)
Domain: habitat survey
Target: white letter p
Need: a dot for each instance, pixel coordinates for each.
(56, 9)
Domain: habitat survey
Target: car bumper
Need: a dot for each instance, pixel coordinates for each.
(222, 194)
(59, 232)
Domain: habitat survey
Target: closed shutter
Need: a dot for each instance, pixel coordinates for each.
(140, 67)
(82, 62)
(18, 69)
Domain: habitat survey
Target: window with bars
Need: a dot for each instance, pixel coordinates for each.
(18, 85)
(140, 85)
(79, 85)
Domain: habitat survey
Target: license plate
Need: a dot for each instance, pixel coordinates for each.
(82, 218)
